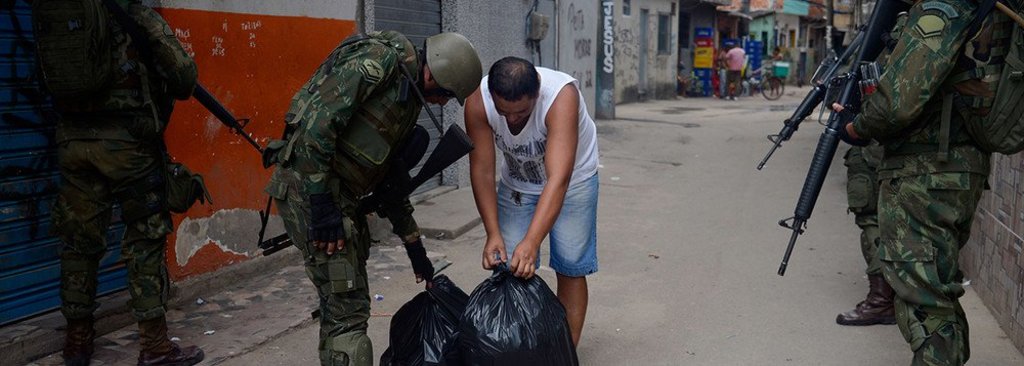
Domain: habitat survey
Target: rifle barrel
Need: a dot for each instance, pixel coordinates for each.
(211, 104)
(778, 143)
(797, 224)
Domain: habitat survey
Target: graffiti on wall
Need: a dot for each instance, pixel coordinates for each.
(219, 47)
(628, 52)
(579, 31)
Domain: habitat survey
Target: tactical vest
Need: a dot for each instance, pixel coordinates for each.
(986, 87)
(381, 122)
(371, 138)
(130, 88)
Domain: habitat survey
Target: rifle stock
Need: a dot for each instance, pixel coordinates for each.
(883, 18)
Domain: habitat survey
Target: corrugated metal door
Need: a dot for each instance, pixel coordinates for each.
(416, 19)
(29, 262)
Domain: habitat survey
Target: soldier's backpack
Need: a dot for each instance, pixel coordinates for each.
(1001, 130)
(74, 46)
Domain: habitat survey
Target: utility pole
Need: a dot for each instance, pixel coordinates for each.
(829, 22)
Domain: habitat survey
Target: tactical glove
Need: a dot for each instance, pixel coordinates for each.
(845, 136)
(325, 224)
(420, 263)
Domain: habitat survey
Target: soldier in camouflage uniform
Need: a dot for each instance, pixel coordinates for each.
(109, 151)
(345, 129)
(862, 196)
(932, 175)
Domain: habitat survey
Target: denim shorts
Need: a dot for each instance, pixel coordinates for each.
(574, 235)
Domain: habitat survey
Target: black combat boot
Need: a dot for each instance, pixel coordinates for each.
(78, 339)
(156, 349)
(877, 308)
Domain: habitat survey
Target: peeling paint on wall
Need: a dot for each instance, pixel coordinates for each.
(233, 231)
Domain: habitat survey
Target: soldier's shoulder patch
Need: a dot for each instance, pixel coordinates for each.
(930, 25)
(948, 10)
(372, 70)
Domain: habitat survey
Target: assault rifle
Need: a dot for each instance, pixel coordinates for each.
(453, 146)
(883, 18)
(822, 81)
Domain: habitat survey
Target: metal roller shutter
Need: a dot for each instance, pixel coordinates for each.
(29, 261)
(416, 19)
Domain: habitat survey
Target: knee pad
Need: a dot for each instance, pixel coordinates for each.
(349, 349)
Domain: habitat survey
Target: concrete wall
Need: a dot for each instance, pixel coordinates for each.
(252, 55)
(994, 258)
(497, 29)
(578, 44)
(660, 69)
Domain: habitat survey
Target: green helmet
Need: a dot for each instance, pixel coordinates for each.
(454, 63)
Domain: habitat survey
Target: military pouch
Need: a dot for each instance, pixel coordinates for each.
(365, 145)
(859, 192)
(271, 153)
(341, 267)
(184, 188)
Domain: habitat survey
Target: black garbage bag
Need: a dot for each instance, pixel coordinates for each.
(423, 330)
(512, 321)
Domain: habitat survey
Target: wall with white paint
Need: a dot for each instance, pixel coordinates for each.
(252, 56)
(578, 44)
(656, 77)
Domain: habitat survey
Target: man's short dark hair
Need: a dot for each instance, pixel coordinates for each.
(513, 78)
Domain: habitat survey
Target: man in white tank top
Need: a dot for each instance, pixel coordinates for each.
(549, 184)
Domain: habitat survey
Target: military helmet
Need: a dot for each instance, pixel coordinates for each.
(454, 64)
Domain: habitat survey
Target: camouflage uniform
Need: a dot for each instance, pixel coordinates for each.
(107, 152)
(862, 197)
(928, 194)
(344, 127)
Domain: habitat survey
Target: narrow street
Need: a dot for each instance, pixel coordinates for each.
(689, 248)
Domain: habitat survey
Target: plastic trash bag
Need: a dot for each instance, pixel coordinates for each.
(512, 321)
(423, 330)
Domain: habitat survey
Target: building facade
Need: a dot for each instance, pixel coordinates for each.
(646, 50)
(252, 56)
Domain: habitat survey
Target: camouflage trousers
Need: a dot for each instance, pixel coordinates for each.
(96, 174)
(924, 221)
(862, 198)
(340, 279)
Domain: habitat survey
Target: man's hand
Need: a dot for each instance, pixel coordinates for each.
(326, 230)
(524, 260)
(494, 252)
(847, 133)
(420, 263)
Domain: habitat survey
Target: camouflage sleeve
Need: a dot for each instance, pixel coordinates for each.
(172, 63)
(402, 222)
(924, 55)
(352, 78)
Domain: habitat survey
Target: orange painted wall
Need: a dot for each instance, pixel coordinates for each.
(253, 64)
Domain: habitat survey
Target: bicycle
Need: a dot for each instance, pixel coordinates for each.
(770, 86)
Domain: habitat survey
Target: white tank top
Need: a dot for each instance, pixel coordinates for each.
(523, 169)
